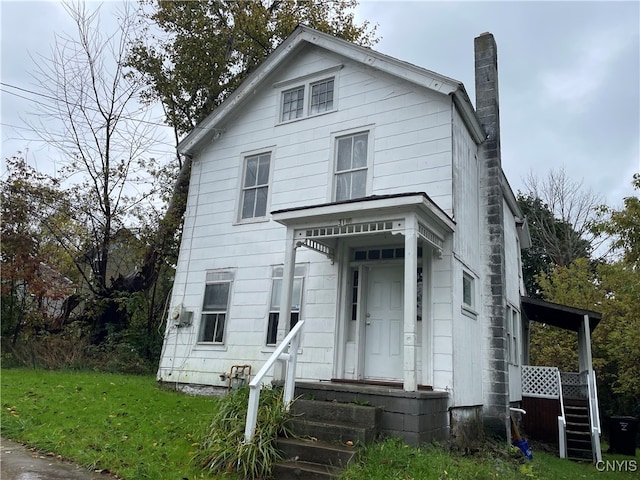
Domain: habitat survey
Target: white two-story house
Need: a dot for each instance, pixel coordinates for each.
(366, 196)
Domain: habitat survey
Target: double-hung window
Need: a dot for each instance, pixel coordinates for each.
(255, 186)
(215, 306)
(513, 329)
(351, 166)
(296, 302)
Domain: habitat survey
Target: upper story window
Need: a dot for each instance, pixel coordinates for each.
(215, 306)
(322, 96)
(255, 186)
(292, 104)
(307, 99)
(351, 166)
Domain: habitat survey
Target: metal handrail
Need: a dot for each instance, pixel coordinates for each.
(594, 416)
(292, 341)
(562, 421)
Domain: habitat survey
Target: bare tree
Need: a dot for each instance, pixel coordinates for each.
(92, 115)
(567, 233)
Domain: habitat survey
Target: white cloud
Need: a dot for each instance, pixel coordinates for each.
(587, 67)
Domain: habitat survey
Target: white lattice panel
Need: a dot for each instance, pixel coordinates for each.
(574, 384)
(540, 382)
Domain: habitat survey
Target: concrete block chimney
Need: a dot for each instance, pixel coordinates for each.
(495, 378)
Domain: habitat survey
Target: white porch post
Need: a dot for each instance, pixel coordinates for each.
(584, 346)
(410, 307)
(285, 296)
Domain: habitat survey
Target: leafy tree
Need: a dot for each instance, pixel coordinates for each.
(560, 217)
(613, 289)
(207, 48)
(623, 226)
(192, 55)
(34, 269)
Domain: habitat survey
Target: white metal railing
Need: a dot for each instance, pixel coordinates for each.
(291, 341)
(562, 422)
(594, 416)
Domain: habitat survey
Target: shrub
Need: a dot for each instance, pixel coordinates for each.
(224, 449)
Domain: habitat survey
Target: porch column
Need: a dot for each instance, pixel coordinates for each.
(584, 346)
(410, 307)
(285, 296)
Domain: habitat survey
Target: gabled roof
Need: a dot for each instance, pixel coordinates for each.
(304, 35)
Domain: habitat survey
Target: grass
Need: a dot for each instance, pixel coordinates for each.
(127, 425)
(120, 423)
(393, 460)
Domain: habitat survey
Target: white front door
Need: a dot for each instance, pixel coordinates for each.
(384, 323)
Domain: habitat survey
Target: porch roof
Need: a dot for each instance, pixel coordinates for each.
(372, 205)
(562, 316)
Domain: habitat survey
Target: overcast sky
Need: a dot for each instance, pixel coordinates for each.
(569, 77)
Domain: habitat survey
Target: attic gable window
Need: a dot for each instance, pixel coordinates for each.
(292, 104)
(322, 96)
(255, 186)
(313, 97)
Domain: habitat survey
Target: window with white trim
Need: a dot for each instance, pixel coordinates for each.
(513, 329)
(322, 96)
(468, 293)
(292, 104)
(255, 186)
(307, 100)
(276, 292)
(215, 306)
(351, 159)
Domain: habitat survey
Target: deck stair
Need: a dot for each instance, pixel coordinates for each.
(578, 429)
(326, 438)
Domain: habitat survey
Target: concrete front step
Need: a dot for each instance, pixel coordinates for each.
(325, 434)
(296, 470)
(300, 449)
(341, 412)
(332, 432)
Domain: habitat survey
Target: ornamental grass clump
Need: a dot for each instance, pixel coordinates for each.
(224, 450)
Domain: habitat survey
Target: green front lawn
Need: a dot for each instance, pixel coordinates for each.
(129, 426)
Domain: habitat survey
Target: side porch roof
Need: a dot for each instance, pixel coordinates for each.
(562, 316)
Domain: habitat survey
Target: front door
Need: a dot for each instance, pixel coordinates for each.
(384, 323)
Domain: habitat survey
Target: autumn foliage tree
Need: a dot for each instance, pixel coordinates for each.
(611, 287)
(35, 271)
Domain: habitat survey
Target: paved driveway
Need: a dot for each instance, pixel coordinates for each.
(20, 463)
